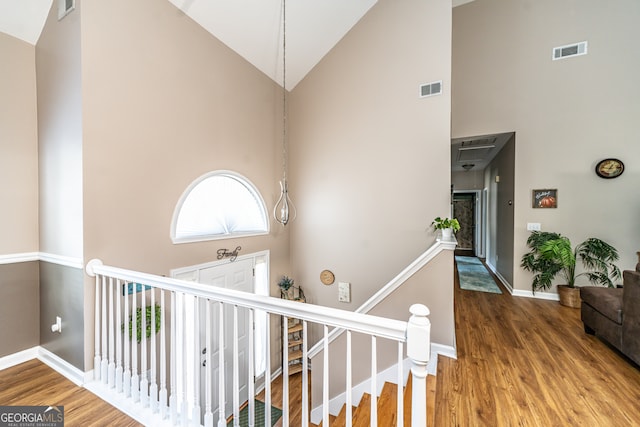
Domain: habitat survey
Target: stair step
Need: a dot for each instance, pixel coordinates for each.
(294, 343)
(295, 368)
(295, 355)
(297, 327)
(387, 406)
(362, 416)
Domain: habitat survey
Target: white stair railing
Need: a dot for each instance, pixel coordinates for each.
(183, 400)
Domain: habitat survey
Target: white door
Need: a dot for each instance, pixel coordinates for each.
(238, 276)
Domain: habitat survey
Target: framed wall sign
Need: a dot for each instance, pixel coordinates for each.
(545, 199)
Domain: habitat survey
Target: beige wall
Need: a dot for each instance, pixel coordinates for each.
(164, 103)
(567, 114)
(369, 158)
(18, 147)
(468, 180)
(60, 134)
(424, 285)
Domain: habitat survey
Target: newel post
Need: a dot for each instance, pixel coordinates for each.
(418, 350)
(97, 361)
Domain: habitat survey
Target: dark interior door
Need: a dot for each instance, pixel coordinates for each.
(464, 209)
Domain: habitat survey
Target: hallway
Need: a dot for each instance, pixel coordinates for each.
(528, 362)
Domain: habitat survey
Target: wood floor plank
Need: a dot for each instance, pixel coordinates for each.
(528, 362)
(33, 384)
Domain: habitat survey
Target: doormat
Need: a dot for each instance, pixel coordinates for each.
(474, 275)
(259, 409)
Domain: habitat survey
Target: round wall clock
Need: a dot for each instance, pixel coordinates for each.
(327, 277)
(609, 168)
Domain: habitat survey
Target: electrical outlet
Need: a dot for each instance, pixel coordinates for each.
(533, 226)
(344, 292)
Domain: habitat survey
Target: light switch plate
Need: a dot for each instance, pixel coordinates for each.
(344, 291)
(533, 226)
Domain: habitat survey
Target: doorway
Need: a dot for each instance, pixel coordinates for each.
(248, 274)
(468, 209)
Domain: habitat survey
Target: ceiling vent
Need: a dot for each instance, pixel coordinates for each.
(475, 150)
(570, 50)
(431, 89)
(65, 7)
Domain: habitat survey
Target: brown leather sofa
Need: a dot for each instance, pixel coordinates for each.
(613, 314)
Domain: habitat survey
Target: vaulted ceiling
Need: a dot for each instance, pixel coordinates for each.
(252, 28)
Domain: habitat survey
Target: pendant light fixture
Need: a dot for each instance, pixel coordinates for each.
(284, 210)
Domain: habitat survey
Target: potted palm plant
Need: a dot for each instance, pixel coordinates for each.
(447, 225)
(551, 254)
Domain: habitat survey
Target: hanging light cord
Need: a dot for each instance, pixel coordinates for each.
(284, 205)
(284, 90)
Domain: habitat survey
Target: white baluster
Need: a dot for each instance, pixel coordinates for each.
(163, 358)
(135, 380)
(251, 371)
(325, 378)
(374, 382)
(221, 379)
(285, 371)
(96, 336)
(144, 382)
(208, 415)
(104, 367)
(118, 337)
(400, 401)
(349, 379)
(111, 370)
(173, 399)
(418, 350)
(126, 380)
(267, 375)
(153, 387)
(195, 413)
(305, 377)
(184, 372)
(236, 371)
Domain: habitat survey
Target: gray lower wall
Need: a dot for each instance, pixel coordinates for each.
(62, 294)
(19, 309)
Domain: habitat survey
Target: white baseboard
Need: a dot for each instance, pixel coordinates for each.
(18, 358)
(55, 362)
(134, 410)
(539, 295)
(60, 365)
(500, 277)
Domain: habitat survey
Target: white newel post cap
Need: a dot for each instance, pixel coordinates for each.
(90, 265)
(419, 334)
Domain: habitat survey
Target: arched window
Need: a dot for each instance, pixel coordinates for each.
(219, 205)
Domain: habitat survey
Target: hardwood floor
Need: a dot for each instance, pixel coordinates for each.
(33, 383)
(528, 362)
(521, 362)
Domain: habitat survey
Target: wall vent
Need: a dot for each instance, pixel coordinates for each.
(431, 89)
(570, 50)
(65, 7)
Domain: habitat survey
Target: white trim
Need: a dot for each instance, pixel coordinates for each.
(19, 257)
(538, 295)
(500, 277)
(250, 186)
(144, 416)
(66, 261)
(60, 365)
(54, 361)
(42, 256)
(439, 246)
(18, 358)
